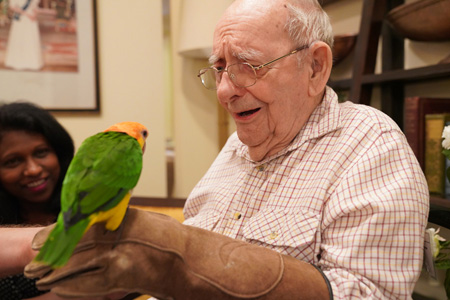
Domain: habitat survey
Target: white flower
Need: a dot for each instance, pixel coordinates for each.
(446, 136)
(435, 245)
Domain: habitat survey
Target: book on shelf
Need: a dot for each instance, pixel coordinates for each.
(447, 166)
(435, 161)
(415, 109)
(447, 181)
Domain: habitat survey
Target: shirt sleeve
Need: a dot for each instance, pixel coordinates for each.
(373, 223)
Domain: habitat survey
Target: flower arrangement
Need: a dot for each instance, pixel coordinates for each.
(439, 246)
(446, 145)
(446, 141)
(441, 254)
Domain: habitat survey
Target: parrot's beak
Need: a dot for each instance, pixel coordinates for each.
(143, 148)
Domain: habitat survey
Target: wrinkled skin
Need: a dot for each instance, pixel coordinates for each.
(285, 93)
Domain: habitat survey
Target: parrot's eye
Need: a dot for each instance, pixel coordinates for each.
(145, 133)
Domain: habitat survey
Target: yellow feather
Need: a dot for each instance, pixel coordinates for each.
(112, 217)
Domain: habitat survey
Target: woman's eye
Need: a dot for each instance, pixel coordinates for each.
(41, 153)
(11, 163)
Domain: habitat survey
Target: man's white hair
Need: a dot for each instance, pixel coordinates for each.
(308, 22)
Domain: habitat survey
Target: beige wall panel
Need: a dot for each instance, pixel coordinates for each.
(130, 72)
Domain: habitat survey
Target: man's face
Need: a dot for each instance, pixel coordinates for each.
(269, 114)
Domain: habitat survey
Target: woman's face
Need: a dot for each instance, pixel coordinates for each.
(29, 167)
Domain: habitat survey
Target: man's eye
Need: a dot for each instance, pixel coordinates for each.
(219, 69)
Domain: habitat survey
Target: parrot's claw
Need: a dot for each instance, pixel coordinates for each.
(120, 229)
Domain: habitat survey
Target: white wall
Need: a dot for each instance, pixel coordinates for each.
(195, 114)
(131, 83)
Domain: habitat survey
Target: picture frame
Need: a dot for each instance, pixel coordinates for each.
(68, 79)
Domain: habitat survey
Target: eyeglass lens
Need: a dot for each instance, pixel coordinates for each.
(242, 75)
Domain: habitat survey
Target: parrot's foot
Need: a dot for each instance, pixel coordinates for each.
(120, 229)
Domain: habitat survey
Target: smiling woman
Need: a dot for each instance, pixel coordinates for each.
(29, 171)
(35, 151)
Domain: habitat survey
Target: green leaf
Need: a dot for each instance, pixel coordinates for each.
(444, 264)
(446, 152)
(444, 244)
(441, 256)
(447, 283)
(448, 173)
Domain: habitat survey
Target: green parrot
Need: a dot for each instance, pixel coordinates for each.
(97, 188)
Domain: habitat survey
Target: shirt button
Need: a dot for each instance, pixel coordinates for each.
(273, 235)
(237, 216)
(261, 168)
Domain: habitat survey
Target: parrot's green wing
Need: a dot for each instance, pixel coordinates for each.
(106, 167)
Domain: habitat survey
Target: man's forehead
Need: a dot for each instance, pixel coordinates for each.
(256, 7)
(244, 34)
(241, 54)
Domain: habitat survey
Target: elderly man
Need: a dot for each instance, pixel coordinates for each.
(309, 199)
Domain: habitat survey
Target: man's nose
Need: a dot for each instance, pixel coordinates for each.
(227, 89)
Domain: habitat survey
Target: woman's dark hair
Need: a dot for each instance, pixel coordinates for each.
(32, 118)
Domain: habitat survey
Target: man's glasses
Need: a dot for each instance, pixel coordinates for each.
(241, 74)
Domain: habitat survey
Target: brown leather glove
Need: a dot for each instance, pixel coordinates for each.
(154, 254)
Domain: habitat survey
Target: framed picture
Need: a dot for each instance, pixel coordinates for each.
(48, 53)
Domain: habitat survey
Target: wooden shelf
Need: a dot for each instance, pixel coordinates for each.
(409, 75)
(392, 79)
(439, 211)
(403, 76)
(440, 203)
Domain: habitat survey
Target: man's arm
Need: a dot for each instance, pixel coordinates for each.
(16, 251)
(375, 223)
(156, 255)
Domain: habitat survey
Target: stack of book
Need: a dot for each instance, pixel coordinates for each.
(424, 120)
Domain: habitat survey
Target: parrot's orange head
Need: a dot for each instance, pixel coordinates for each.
(134, 129)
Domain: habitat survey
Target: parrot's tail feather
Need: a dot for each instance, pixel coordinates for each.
(60, 244)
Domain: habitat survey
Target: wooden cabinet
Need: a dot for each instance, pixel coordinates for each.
(393, 77)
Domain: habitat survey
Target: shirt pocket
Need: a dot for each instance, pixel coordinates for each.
(283, 228)
(205, 219)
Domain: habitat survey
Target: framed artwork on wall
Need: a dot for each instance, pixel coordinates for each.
(48, 53)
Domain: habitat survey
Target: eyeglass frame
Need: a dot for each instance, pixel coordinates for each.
(254, 68)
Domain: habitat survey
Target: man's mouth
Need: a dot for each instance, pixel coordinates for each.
(248, 112)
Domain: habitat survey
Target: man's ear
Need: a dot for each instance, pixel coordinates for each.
(321, 63)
